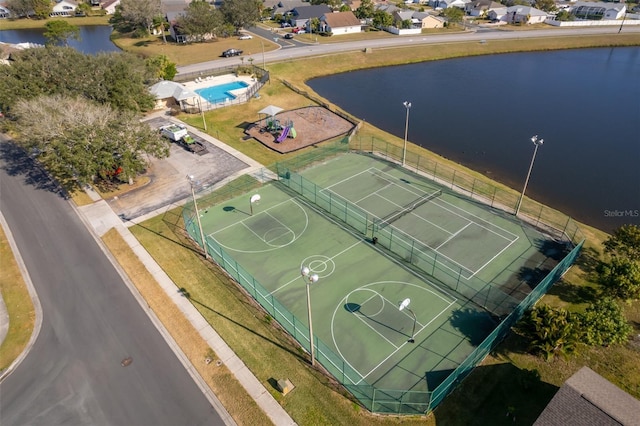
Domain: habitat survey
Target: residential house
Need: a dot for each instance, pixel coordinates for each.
(587, 398)
(419, 20)
(353, 4)
(480, 7)
(596, 11)
(443, 4)
(109, 6)
(340, 23)
(388, 8)
(282, 7)
(301, 16)
(428, 21)
(518, 15)
(173, 9)
(402, 15)
(64, 8)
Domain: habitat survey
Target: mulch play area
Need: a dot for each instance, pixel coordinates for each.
(312, 125)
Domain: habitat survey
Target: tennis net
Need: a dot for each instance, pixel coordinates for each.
(392, 217)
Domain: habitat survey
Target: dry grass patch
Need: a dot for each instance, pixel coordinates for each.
(19, 307)
(238, 403)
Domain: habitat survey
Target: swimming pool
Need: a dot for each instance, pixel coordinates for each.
(221, 92)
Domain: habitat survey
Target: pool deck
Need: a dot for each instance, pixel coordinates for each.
(217, 81)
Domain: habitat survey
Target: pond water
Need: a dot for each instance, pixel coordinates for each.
(482, 112)
(93, 39)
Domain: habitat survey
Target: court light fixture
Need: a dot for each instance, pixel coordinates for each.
(192, 182)
(407, 105)
(405, 305)
(309, 279)
(537, 142)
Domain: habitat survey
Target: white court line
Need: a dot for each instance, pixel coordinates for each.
(491, 260)
(419, 217)
(394, 352)
(361, 318)
(454, 235)
(249, 217)
(328, 258)
(348, 178)
(467, 212)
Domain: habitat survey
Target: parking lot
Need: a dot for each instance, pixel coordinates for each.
(168, 184)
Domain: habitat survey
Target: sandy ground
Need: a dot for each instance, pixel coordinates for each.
(312, 124)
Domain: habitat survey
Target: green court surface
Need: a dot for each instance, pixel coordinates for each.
(474, 251)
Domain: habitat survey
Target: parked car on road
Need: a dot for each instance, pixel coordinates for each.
(288, 36)
(231, 52)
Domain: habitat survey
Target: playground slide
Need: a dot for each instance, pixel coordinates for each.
(284, 134)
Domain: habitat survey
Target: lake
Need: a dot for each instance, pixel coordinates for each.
(93, 39)
(482, 112)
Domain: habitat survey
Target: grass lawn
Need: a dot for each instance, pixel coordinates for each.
(19, 307)
(506, 381)
(502, 384)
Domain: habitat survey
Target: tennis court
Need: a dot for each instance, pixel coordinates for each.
(355, 301)
(376, 235)
(459, 237)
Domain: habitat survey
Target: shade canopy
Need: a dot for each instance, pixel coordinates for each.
(270, 110)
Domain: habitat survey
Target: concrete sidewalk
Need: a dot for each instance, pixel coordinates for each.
(101, 219)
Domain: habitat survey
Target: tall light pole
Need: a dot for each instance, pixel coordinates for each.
(192, 182)
(407, 105)
(309, 279)
(405, 305)
(204, 122)
(264, 64)
(537, 142)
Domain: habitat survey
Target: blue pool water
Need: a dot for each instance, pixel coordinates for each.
(219, 93)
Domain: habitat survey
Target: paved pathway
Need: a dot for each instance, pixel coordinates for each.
(100, 218)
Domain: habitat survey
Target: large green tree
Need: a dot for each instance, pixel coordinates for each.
(139, 13)
(604, 324)
(550, 331)
(241, 13)
(78, 140)
(40, 9)
(624, 242)
(620, 272)
(546, 5)
(117, 79)
(365, 10)
(60, 31)
(161, 67)
(201, 20)
(454, 15)
(382, 19)
(621, 277)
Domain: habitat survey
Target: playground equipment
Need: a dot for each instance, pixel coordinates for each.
(288, 131)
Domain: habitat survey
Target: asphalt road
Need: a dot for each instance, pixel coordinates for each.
(74, 375)
(289, 51)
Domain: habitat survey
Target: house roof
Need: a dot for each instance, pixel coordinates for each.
(308, 12)
(341, 19)
(170, 89)
(389, 8)
(526, 10)
(588, 399)
(174, 8)
(404, 14)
